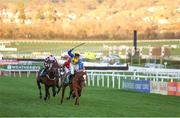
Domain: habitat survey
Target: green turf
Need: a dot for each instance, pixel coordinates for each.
(19, 97)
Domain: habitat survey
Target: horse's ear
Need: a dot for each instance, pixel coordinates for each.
(84, 72)
(60, 65)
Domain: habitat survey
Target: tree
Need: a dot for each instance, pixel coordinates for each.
(21, 11)
(39, 14)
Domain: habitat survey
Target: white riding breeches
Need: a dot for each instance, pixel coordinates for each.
(67, 70)
(74, 68)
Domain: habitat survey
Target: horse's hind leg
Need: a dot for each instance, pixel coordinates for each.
(79, 92)
(59, 88)
(63, 90)
(70, 93)
(39, 87)
(48, 93)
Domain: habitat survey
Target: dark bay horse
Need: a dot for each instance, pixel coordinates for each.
(78, 82)
(53, 80)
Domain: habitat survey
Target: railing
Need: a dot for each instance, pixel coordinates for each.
(112, 78)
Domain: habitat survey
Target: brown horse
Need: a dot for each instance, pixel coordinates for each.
(78, 82)
(54, 74)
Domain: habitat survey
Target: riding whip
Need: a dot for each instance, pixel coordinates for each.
(78, 46)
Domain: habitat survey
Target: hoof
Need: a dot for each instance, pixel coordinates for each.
(76, 104)
(68, 98)
(40, 97)
(45, 98)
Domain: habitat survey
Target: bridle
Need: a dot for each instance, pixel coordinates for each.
(79, 77)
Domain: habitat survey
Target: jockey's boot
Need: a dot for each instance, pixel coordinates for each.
(41, 72)
(70, 78)
(47, 76)
(44, 72)
(67, 79)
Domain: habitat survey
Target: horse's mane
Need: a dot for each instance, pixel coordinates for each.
(54, 68)
(56, 65)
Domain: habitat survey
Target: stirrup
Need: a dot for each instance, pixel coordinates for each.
(47, 76)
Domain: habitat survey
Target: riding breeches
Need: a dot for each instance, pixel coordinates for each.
(73, 68)
(67, 70)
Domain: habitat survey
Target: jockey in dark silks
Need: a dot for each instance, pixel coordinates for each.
(48, 63)
(76, 64)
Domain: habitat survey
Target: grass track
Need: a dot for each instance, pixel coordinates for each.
(19, 97)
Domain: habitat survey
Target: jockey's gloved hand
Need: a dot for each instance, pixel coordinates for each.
(71, 49)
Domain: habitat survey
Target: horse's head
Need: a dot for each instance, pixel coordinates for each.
(61, 71)
(53, 73)
(81, 77)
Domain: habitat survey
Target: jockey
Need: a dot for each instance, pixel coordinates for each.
(75, 64)
(67, 64)
(48, 62)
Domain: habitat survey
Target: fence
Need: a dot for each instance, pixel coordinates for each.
(112, 78)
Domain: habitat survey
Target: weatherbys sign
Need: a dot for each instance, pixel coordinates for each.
(137, 85)
(23, 67)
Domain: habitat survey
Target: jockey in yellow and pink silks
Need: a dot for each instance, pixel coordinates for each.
(75, 64)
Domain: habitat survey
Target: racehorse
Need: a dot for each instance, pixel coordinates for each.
(54, 74)
(78, 82)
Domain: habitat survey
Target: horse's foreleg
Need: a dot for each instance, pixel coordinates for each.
(79, 94)
(54, 91)
(46, 92)
(63, 90)
(77, 97)
(39, 87)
